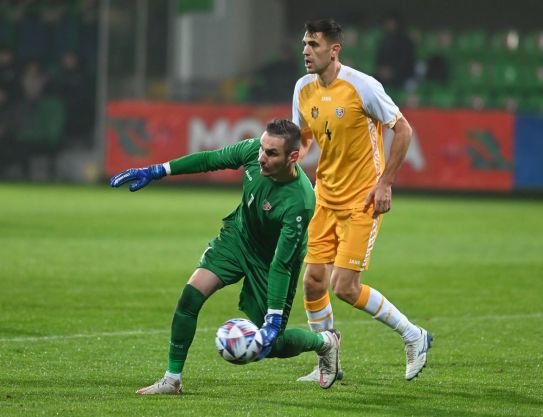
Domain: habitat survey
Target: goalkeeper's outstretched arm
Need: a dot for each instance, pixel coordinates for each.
(140, 177)
(229, 157)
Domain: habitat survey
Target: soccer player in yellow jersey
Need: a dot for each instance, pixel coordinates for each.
(344, 111)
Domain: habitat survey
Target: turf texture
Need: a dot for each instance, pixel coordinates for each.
(89, 278)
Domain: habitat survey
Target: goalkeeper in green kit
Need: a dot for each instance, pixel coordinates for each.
(263, 242)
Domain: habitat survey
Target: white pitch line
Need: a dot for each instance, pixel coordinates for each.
(139, 332)
(83, 335)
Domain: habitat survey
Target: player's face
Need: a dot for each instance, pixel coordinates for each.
(272, 158)
(318, 53)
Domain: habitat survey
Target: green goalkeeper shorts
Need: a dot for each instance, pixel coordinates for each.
(229, 258)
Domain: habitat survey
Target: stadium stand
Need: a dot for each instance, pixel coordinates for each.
(464, 68)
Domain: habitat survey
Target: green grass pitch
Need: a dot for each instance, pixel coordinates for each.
(90, 277)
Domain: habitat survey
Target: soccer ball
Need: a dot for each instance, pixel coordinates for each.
(238, 341)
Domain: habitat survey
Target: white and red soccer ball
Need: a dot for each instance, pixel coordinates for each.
(238, 341)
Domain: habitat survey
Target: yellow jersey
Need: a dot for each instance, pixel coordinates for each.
(346, 119)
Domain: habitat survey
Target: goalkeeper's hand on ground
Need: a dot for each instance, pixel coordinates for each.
(269, 331)
(140, 176)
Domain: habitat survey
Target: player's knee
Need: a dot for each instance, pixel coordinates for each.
(346, 290)
(314, 288)
(315, 280)
(311, 280)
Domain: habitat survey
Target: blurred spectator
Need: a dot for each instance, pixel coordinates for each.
(6, 127)
(437, 64)
(272, 83)
(88, 35)
(8, 72)
(60, 28)
(31, 37)
(437, 69)
(33, 80)
(6, 118)
(42, 79)
(76, 90)
(9, 13)
(395, 53)
(39, 119)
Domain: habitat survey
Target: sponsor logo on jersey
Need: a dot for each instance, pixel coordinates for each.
(326, 98)
(266, 206)
(354, 261)
(314, 112)
(248, 175)
(340, 111)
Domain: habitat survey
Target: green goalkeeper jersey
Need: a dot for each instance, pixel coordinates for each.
(272, 217)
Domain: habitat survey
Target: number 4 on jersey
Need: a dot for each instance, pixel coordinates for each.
(327, 132)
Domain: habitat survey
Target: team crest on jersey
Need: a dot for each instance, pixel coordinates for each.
(340, 111)
(314, 112)
(266, 206)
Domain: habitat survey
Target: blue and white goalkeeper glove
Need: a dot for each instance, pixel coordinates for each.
(269, 331)
(141, 176)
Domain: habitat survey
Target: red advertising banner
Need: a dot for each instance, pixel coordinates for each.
(459, 150)
(142, 133)
(450, 150)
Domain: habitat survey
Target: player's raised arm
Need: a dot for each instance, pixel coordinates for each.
(229, 157)
(140, 177)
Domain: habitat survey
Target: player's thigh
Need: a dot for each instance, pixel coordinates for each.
(223, 257)
(357, 231)
(322, 238)
(205, 281)
(320, 273)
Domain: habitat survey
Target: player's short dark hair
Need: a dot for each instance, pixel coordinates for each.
(288, 131)
(330, 29)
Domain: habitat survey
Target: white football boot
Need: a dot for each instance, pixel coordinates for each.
(415, 354)
(314, 375)
(165, 385)
(329, 358)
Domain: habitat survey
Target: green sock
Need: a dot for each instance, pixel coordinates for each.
(184, 327)
(295, 341)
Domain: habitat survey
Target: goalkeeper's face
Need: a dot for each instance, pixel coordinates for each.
(273, 160)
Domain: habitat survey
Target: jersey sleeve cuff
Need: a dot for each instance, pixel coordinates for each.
(392, 123)
(167, 167)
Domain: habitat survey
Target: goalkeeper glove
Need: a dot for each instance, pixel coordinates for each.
(269, 331)
(141, 176)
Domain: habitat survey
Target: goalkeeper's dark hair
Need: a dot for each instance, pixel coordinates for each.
(330, 29)
(288, 131)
